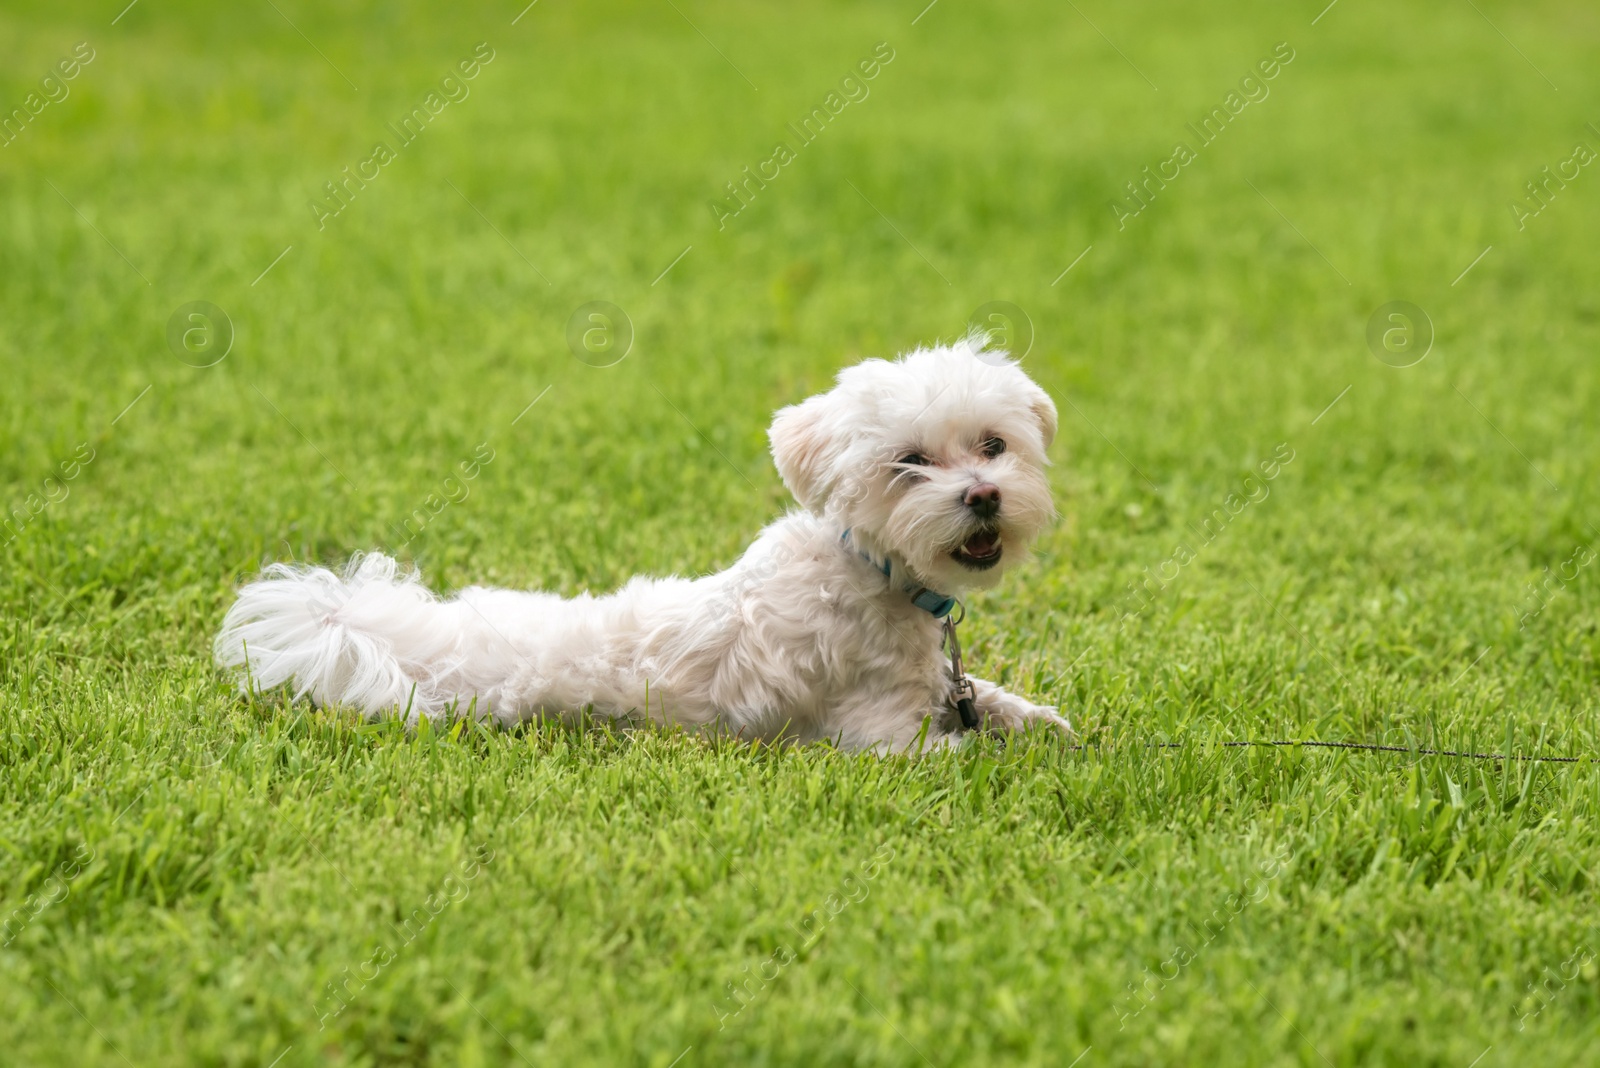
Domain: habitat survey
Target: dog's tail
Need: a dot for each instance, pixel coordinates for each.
(373, 639)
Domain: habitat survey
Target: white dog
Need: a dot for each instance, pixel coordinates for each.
(920, 478)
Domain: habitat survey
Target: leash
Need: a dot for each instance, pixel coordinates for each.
(961, 687)
(1370, 747)
(942, 607)
(965, 693)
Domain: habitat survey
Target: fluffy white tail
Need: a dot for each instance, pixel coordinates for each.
(373, 639)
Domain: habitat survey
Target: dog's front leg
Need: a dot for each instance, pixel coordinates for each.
(908, 719)
(1008, 712)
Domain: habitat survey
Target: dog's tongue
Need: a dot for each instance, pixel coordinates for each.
(981, 544)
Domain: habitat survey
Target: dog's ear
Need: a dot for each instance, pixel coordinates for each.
(802, 450)
(1044, 410)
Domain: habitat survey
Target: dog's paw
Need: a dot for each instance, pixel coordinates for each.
(1016, 714)
(1047, 717)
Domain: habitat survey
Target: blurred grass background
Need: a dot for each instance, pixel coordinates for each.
(244, 853)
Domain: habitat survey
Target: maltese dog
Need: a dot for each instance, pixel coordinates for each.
(920, 479)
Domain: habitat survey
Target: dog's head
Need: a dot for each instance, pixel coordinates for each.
(937, 458)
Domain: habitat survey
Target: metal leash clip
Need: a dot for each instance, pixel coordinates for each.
(960, 686)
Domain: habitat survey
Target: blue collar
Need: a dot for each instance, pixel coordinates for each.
(932, 602)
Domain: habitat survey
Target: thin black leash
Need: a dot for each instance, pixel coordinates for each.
(964, 693)
(1371, 747)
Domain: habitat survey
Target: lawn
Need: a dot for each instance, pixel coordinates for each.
(192, 877)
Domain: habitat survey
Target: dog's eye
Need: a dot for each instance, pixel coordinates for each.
(994, 447)
(915, 459)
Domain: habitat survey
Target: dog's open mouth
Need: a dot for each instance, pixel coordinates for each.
(979, 552)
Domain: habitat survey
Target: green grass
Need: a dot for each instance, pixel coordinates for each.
(194, 870)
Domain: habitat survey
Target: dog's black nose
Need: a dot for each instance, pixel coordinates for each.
(984, 499)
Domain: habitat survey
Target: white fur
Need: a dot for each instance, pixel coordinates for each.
(800, 639)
